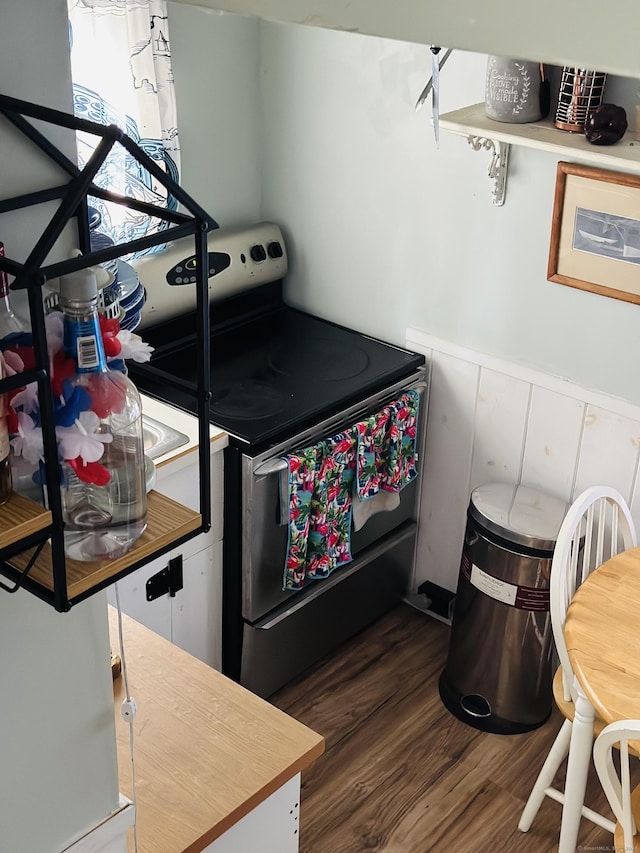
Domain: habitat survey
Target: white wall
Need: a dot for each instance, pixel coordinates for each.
(216, 66)
(58, 773)
(386, 231)
(317, 130)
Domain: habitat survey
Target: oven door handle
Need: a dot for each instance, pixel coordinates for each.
(271, 466)
(281, 467)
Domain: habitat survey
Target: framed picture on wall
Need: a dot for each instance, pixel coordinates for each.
(595, 231)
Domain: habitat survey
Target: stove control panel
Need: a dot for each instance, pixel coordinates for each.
(239, 259)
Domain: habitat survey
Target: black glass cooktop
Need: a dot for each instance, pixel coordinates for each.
(274, 370)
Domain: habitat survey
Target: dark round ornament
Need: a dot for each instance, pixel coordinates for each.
(606, 125)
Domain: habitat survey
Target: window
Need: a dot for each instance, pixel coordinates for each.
(121, 71)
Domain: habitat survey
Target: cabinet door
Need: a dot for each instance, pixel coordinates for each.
(196, 610)
(192, 618)
(132, 592)
(271, 827)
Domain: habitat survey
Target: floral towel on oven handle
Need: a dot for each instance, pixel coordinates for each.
(320, 482)
(386, 454)
(377, 453)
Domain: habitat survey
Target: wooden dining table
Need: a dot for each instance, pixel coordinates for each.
(602, 634)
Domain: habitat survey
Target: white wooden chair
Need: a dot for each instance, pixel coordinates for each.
(625, 803)
(598, 525)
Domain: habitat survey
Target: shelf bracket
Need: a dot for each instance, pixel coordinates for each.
(497, 166)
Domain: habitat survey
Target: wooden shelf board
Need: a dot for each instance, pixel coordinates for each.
(21, 517)
(544, 136)
(167, 521)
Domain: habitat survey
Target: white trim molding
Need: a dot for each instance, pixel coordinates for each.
(110, 835)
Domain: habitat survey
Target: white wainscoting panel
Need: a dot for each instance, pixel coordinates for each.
(609, 451)
(447, 460)
(551, 453)
(494, 421)
(499, 428)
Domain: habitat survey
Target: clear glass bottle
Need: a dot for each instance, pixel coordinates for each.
(103, 499)
(5, 462)
(12, 327)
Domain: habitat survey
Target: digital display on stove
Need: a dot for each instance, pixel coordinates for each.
(184, 272)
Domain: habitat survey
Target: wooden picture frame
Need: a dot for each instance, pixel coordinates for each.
(595, 231)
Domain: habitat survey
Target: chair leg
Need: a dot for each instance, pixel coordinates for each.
(577, 770)
(557, 754)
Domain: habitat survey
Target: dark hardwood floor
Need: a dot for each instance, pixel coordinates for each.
(402, 775)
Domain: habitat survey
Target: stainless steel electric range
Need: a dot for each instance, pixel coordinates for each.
(281, 380)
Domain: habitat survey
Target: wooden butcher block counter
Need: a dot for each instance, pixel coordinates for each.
(208, 753)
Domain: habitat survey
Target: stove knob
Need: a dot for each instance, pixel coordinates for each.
(275, 250)
(258, 253)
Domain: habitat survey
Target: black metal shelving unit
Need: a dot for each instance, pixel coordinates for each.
(72, 196)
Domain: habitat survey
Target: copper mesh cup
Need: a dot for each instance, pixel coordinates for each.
(581, 91)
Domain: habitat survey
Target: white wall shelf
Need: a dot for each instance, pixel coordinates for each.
(496, 137)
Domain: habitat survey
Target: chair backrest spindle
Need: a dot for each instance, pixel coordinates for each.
(602, 523)
(614, 530)
(587, 543)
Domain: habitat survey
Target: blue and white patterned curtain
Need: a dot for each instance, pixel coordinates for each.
(121, 70)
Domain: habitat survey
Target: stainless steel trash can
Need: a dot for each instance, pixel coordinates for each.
(499, 671)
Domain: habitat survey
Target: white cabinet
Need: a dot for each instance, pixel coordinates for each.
(271, 827)
(192, 616)
(585, 34)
